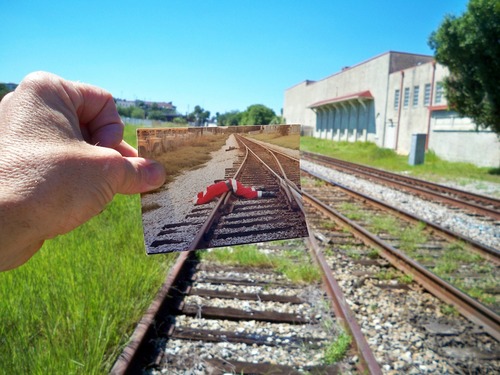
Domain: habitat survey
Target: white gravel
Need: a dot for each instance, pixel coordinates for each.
(483, 231)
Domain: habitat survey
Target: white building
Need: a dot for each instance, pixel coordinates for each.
(385, 100)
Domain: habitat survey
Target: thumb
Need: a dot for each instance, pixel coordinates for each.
(141, 175)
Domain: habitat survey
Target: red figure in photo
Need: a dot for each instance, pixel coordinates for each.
(237, 188)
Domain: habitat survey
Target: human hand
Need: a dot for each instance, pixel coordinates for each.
(62, 159)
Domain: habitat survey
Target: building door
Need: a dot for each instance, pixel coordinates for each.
(390, 135)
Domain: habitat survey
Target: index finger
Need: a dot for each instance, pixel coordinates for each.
(97, 114)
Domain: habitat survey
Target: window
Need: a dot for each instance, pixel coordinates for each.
(427, 94)
(406, 101)
(396, 99)
(416, 91)
(439, 93)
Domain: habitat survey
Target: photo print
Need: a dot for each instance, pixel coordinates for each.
(225, 186)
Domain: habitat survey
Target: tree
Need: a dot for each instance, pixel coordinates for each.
(470, 47)
(137, 112)
(4, 90)
(257, 114)
(199, 115)
(157, 114)
(229, 118)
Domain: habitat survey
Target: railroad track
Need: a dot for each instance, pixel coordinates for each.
(445, 263)
(472, 203)
(219, 319)
(234, 221)
(216, 319)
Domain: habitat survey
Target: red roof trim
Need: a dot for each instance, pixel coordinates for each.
(359, 95)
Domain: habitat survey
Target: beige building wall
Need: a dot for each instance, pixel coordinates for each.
(372, 75)
(400, 107)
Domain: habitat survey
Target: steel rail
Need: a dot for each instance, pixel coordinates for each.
(342, 311)
(197, 240)
(290, 189)
(411, 184)
(468, 307)
(145, 329)
(269, 146)
(487, 252)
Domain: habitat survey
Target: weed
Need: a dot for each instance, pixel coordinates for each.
(445, 267)
(411, 237)
(481, 295)
(353, 254)
(293, 264)
(351, 211)
(328, 225)
(319, 183)
(373, 254)
(386, 275)
(299, 273)
(405, 279)
(449, 310)
(245, 255)
(383, 223)
(337, 350)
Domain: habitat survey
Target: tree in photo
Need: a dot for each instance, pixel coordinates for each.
(257, 114)
(230, 118)
(199, 116)
(469, 46)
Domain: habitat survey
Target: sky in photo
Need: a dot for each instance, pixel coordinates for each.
(222, 55)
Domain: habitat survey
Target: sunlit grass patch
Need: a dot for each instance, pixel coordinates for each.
(337, 349)
(352, 211)
(299, 272)
(293, 264)
(244, 255)
(434, 168)
(73, 306)
(291, 141)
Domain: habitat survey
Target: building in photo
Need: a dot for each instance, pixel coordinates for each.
(387, 99)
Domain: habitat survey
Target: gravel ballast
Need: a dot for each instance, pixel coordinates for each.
(482, 231)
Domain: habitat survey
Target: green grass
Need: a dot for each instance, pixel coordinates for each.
(291, 141)
(73, 306)
(337, 349)
(244, 255)
(369, 154)
(295, 265)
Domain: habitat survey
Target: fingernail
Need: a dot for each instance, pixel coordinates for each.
(155, 175)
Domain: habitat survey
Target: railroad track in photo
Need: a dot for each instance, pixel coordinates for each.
(230, 220)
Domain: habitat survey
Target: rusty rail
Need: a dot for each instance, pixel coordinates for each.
(145, 329)
(487, 252)
(467, 306)
(423, 188)
(342, 311)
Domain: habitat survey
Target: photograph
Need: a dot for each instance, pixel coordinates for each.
(225, 186)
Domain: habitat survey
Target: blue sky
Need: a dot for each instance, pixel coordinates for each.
(222, 55)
